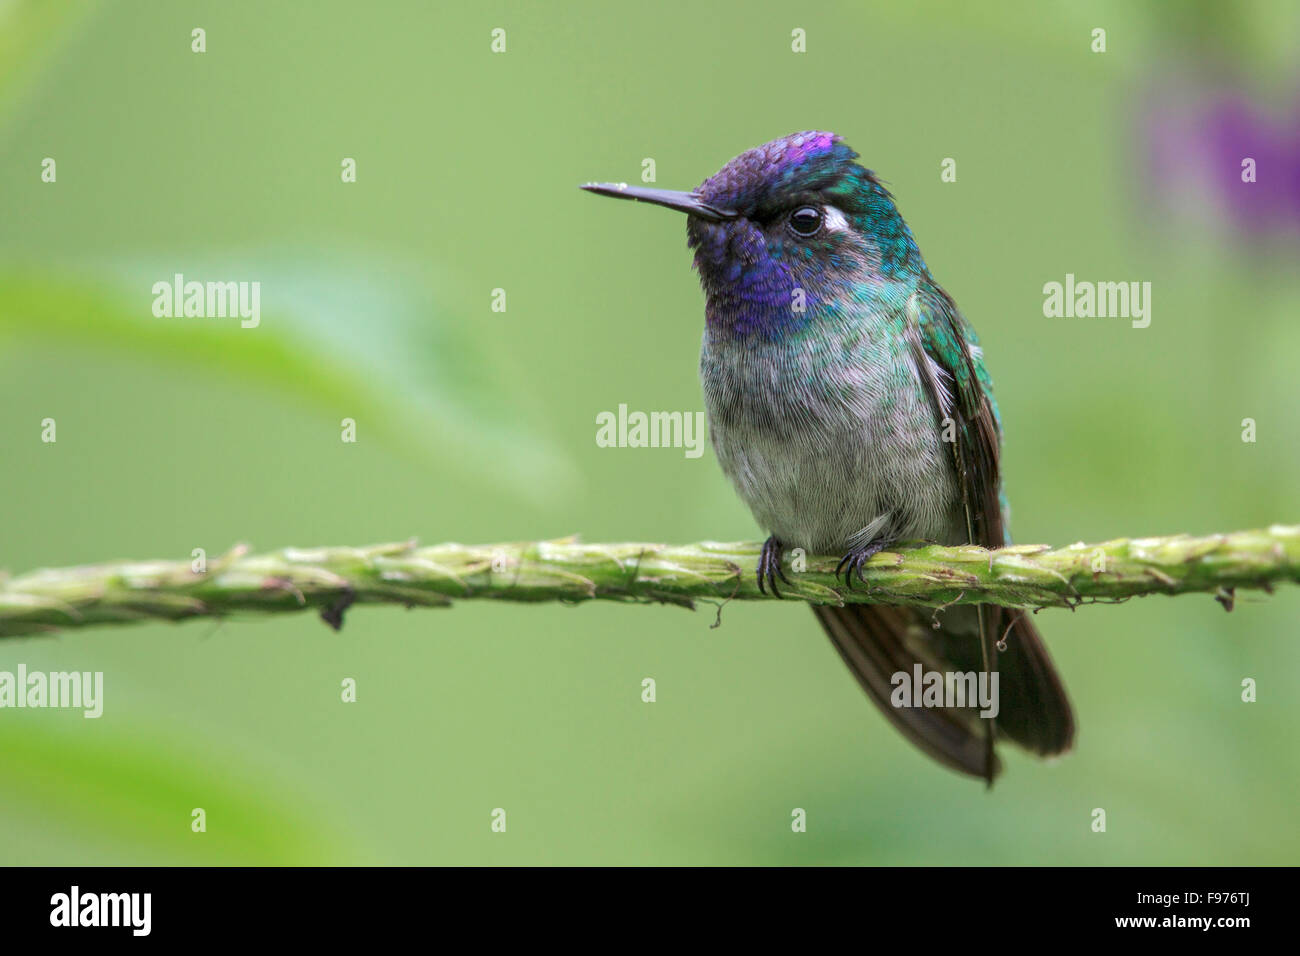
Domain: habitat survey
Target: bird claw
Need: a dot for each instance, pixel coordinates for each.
(852, 563)
(769, 566)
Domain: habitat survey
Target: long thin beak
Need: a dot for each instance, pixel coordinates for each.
(688, 203)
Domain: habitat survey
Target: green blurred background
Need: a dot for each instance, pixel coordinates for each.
(479, 426)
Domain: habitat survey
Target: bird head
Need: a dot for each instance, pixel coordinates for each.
(786, 232)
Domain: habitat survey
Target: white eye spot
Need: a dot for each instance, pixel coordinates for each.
(833, 220)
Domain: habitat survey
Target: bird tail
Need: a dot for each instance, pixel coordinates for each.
(878, 641)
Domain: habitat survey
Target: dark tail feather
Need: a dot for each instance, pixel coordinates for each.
(878, 641)
(875, 643)
(1036, 712)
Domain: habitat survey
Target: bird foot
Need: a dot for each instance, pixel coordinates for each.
(769, 565)
(851, 564)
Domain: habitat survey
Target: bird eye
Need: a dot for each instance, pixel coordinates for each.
(805, 221)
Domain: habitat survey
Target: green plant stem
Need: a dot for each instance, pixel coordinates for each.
(333, 578)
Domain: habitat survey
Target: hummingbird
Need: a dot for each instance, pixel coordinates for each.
(849, 404)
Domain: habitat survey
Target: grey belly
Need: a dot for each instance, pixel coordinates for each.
(830, 498)
(831, 470)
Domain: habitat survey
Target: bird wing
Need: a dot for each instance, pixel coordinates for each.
(1035, 711)
(952, 371)
(877, 642)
